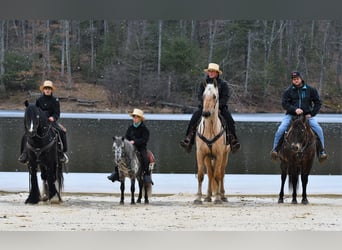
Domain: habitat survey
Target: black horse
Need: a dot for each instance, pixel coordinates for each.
(127, 159)
(297, 154)
(42, 146)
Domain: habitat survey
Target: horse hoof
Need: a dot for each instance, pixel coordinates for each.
(122, 203)
(199, 202)
(294, 202)
(218, 201)
(44, 198)
(224, 199)
(305, 201)
(139, 201)
(132, 203)
(147, 202)
(207, 199)
(281, 200)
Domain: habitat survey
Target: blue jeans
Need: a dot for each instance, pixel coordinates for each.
(285, 123)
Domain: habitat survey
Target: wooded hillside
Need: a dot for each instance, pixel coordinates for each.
(161, 62)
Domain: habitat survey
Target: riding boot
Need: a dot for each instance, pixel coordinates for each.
(235, 145)
(147, 177)
(232, 139)
(188, 141)
(321, 154)
(23, 158)
(274, 152)
(114, 176)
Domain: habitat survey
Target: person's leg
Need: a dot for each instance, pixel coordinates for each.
(319, 131)
(64, 147)
(281, 130)
(230, 126)
(285, 123)
(114, 176)
(189, 139)
(145, 166)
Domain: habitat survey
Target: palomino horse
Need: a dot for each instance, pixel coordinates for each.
(297, 154)
(212, 150)
(41, 146)
(128, 161)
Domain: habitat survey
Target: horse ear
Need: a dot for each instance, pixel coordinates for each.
(26, 103)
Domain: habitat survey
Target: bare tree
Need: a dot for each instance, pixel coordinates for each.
(212, 34)
(248, 62)
(160, 27)
(67, 53)
(323, 56)
(2, 58)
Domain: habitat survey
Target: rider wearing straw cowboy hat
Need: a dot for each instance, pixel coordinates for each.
(50, 105)
(213, 73)
(138, 135)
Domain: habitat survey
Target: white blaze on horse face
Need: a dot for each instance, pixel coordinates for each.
(117, 151)
(31, 127)
(210, 97)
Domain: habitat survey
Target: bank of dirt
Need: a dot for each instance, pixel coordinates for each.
(174, 212)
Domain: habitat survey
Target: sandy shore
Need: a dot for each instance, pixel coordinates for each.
(175, 212)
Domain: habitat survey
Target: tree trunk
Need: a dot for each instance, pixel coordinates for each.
(160, 25)
(249, 50)
(212, 34)
(2, 59)
(92, 51)
(47, 48)
(67, 54)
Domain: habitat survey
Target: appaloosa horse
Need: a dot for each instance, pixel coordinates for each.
(297, 154)
(212, 149)
(41, 147)
(128, 161)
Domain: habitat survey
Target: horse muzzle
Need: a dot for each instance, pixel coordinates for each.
(206, 114)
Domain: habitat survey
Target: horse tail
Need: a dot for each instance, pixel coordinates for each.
(291, 181)
(148, 187)
(60, 178)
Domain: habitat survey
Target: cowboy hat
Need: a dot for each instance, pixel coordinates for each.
(213, 66)
(47, 84)
(138, 112)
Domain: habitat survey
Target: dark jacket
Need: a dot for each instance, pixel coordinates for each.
(139, 135)
(304, 97)
(50, 105)
(223, 92)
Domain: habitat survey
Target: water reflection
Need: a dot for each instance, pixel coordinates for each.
(90, 143)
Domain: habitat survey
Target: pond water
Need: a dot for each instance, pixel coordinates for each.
(90, 141)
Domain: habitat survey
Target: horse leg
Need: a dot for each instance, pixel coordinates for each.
(34, 196)
(45, 191)
(132, 191)
(223, 167)
(200, 177)
(283, 179)
(217, 180)
(146, 187)
(304, 178)
(294, 181)
(209, 164)
(141, 184)
(122, 189)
